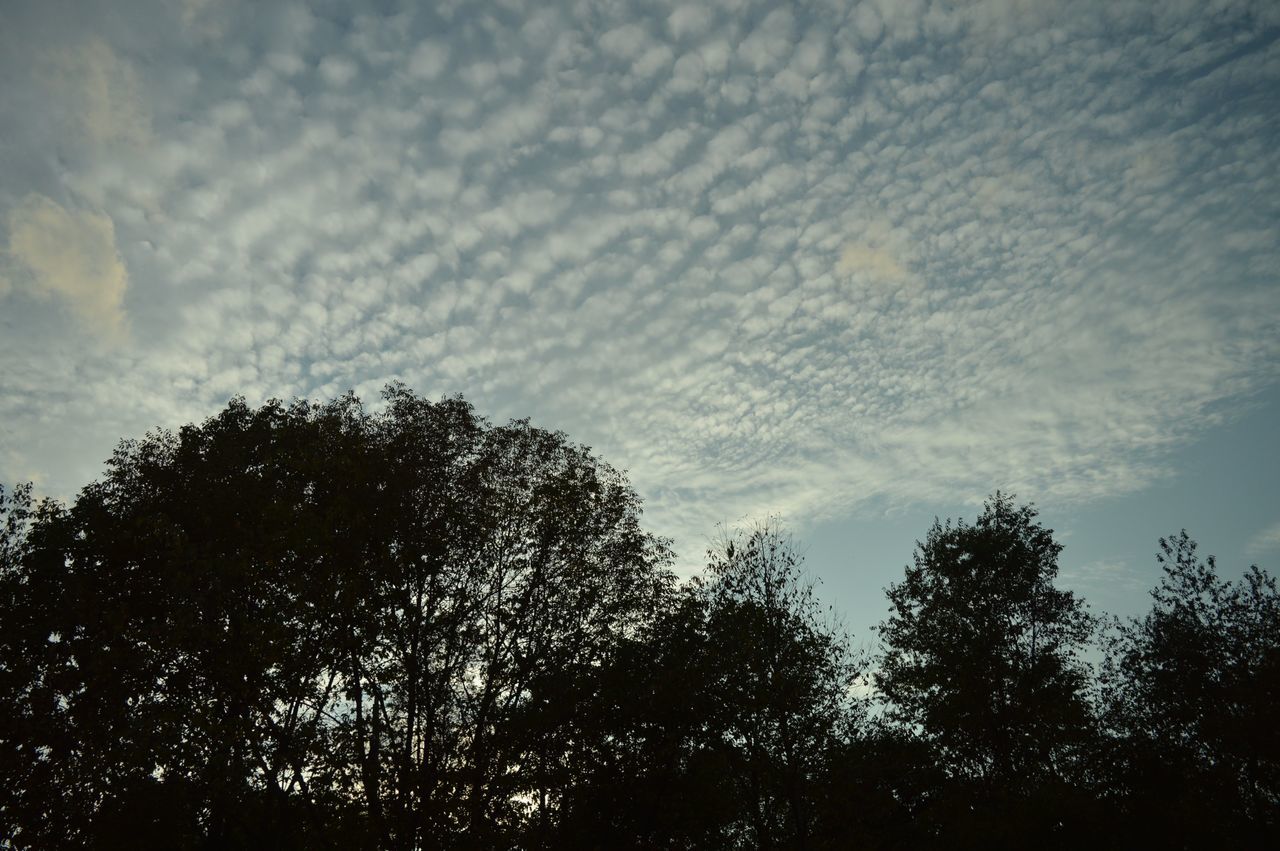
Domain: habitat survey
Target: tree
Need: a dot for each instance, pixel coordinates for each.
(783, 681)
(660, 774)
(1190, 693)
(726, 709)
(981, 661)
(24, 771)
(308, 625)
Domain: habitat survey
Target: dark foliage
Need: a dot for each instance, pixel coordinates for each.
(1192, 701)
(310, 626)
(981, 665)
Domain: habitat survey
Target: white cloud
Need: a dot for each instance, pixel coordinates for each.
(689, 21)
(1105, 575)
(867, 23)
(428, 60)
(770, 43)
(627, 41)
(1266, 542)
(338, 70)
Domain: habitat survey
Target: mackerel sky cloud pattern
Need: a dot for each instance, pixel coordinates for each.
(772, 258)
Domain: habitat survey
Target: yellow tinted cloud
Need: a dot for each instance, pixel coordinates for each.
(101, 89)
(72, 255)
(872, 261)
(877, 256)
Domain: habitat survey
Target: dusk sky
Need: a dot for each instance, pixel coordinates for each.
(851, 264)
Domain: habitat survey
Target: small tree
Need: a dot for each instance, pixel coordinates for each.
(783, 675)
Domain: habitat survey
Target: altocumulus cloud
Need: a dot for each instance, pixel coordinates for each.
(770, 258)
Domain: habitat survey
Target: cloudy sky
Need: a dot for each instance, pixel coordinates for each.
(854, 264)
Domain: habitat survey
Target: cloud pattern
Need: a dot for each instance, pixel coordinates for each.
(771, 258)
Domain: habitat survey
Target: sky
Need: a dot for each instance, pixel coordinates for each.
(852, 265)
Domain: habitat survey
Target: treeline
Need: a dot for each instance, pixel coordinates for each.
(311, 626)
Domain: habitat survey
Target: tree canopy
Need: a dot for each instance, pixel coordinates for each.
(982, 661)
(1191, 692)
(286, 615)
(312, 625)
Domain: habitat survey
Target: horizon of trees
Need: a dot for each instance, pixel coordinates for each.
(310, 626)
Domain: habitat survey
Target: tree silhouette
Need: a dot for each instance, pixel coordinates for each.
(782, 680)
(711, 725)
(981, 662)
(1191, 691)
(313, 626)
(660, 774)
(309, 625)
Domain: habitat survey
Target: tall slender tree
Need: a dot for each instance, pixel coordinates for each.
(783, 676)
